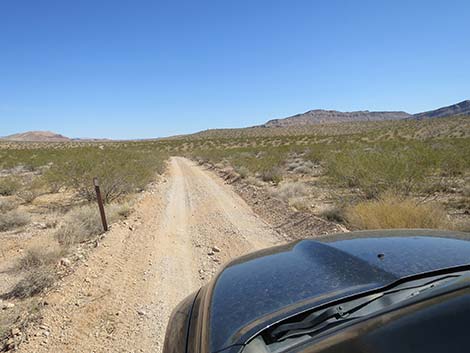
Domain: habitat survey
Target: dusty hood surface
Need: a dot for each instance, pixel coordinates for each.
(255, 289)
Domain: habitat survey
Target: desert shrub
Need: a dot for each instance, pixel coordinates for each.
(9, 186)
(122, 167)
(265, 162)
(273, 175)
(120, 172)
(300, 166)
(13, 219)
(300, 203)
(391, 211)
(201, 160)
(38, 257)
(36, 281)
(79, 225)
(378, 168)
(466, 191)
(116, 211)
(463, 226)
(83, 223)
(28, 194)
(291, 190)
(254, 181)
(293, 165)
(453, 159)
(243, 171)
(303, 169)
(53, 180)
(333, 214)
(316, 154)
(7, 205)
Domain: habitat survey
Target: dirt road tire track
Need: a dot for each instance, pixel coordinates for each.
(121, 298)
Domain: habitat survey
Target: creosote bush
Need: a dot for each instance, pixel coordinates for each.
(402, 166)
(391, 211)
(123, 168)
(119, 172)
(13, 219)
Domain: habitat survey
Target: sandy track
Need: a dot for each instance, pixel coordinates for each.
(121, 298)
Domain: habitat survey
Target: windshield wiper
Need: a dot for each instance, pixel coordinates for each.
(320, 320)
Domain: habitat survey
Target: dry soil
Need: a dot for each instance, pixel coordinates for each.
(120, 299)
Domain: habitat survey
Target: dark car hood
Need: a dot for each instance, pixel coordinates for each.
(256, 289)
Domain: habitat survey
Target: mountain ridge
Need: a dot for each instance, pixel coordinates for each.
(309, 118)
(461, 108)
(321, 116)
(36, 136)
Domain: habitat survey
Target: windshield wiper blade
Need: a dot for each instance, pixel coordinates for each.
(338, 312)
(354, 309)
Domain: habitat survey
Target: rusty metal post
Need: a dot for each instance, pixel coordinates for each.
(100, 203)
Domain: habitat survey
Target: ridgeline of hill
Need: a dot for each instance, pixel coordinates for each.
(315, 122)
(459, 109)
(320, 116)
(37, 136)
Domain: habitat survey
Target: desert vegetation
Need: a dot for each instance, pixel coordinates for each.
(13, 219)
(48, 213)
(83, 223)
(426, 165)
(391, 211)
(355, 175)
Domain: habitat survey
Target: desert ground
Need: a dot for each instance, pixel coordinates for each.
(181, 208)
(179, 235)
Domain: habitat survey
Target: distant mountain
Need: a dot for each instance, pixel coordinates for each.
(462, 108)
(91, 139)
(37, 136)
(319, 116)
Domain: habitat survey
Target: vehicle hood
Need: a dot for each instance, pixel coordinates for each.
(254, 291)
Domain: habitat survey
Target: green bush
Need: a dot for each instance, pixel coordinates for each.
(121, 167)
(377, 168)
(54, 179)
(120, 172)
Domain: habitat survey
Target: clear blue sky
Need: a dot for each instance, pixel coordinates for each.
(135, 68)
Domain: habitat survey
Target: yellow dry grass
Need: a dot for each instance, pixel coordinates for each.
(391, 211)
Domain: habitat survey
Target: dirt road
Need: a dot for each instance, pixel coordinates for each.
(120, 299)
